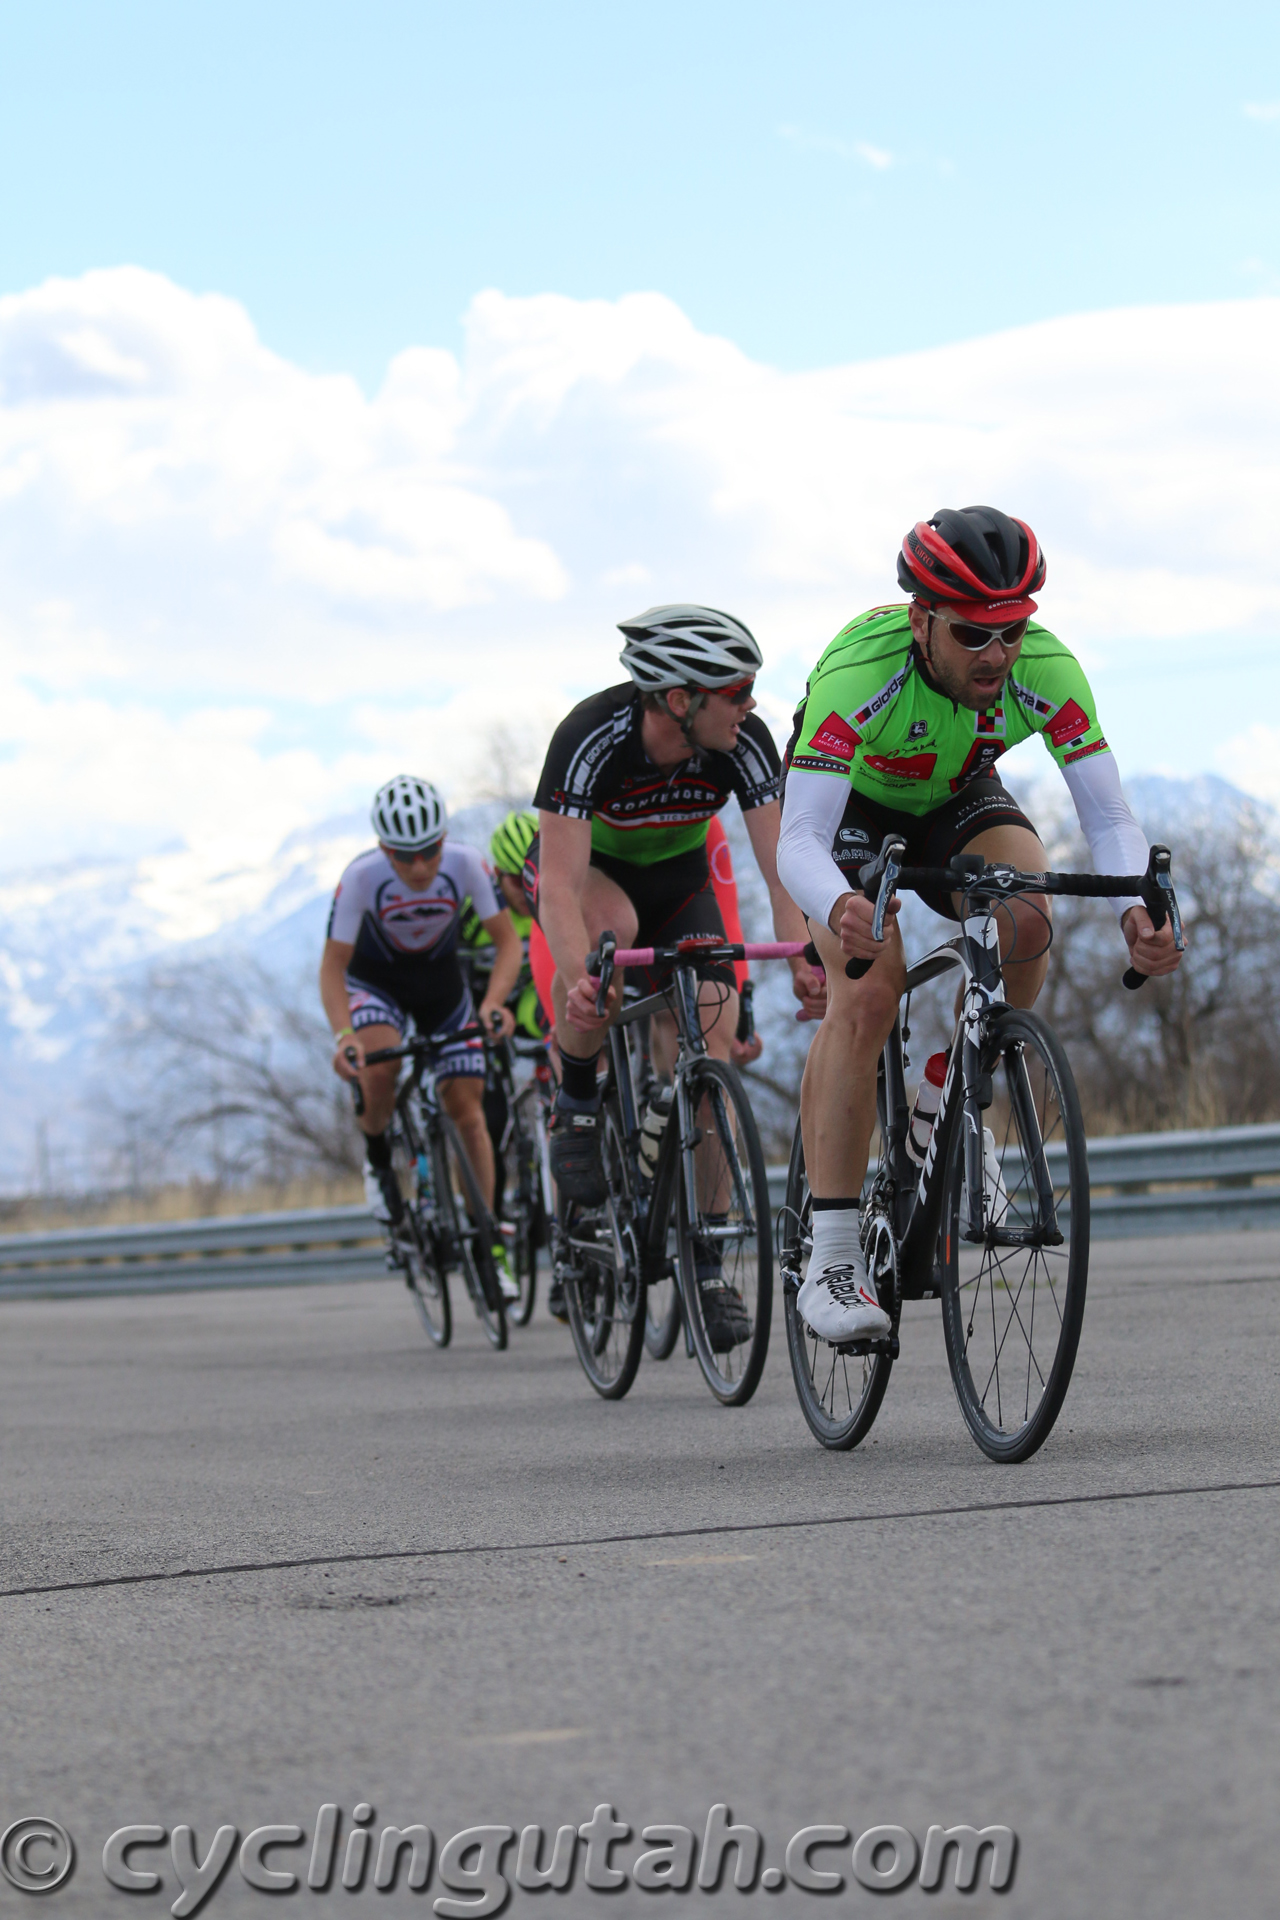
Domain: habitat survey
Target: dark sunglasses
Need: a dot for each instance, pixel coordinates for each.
(974, 639)
(739, 692)
(402, 858)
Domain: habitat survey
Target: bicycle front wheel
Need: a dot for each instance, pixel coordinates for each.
(1013, 1305)
(604, 1290)
(470, 1231)
(724, 1238)
(839, 1393)
(424, 1277)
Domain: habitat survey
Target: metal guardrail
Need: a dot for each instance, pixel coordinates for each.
(1221, 1181)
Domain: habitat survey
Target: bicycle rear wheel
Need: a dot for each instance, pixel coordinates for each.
(604, 1290)
(726, 1251)
(839, 1393)
(468, 1225)
(1012, 1307)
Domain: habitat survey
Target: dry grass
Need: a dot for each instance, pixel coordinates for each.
(197, 1200)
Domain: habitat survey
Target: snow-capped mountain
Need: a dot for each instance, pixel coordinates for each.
(76, 942)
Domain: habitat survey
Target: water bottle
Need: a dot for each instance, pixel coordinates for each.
(925, 1111)
(652, 1128)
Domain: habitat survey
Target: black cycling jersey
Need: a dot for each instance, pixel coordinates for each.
(597, 769)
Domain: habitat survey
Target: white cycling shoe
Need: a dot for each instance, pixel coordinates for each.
(840, 1304)
(374, 1197)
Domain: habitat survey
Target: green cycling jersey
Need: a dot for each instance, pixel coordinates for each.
(870, 715)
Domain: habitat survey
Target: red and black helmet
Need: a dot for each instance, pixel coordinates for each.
(975, 559)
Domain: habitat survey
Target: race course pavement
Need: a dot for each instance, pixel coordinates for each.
(266, 1550)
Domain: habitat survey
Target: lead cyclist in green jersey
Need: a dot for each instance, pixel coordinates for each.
(902, 724)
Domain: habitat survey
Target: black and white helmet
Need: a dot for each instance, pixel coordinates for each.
(688, 647)
(408, 814)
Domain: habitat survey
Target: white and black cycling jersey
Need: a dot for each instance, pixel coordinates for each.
(408, 941)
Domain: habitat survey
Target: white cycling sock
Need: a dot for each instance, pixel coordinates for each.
(835, 1237)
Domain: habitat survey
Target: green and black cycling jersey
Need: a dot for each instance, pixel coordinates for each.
(872, 716)
(597, 769)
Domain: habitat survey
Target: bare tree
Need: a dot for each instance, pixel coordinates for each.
(220, 1068)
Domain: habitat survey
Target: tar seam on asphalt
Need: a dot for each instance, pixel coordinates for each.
(634, 1539)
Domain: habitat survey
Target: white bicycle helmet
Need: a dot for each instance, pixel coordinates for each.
(408, 814)
(688, 647)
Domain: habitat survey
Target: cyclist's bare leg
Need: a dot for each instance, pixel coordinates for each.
(603, 904)
(1023, 930)
(838, 1094)
(378, 1084)
(462, 1097)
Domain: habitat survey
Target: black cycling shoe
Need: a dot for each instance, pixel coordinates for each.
(577, 1166)
(724, 1315)
(555, 1301)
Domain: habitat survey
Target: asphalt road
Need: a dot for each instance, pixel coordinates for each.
(278, 1553)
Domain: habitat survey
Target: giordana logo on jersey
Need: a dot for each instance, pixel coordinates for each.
(879, 701)
(902, 766)
(1068, 723)
(1034, 702)
(836, 738)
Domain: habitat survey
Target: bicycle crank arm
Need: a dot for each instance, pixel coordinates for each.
(859, 1349)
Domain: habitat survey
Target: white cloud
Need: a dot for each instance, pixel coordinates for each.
(233, 592)
(877, 158)
(1261, 110)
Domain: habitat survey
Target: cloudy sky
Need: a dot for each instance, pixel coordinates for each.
(361, 366)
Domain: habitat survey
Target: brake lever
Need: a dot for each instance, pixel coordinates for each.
(887, 865)
(1161, 902)
(600, 965)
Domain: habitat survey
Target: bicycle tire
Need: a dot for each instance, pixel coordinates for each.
(729, 1164)
(840, 1394)
(425, 1278)
(605, 1297)
(1010, 1400)
(412, 1244)
(470, 1229)
(523, 1182)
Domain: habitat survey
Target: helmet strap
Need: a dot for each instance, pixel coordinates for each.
(685, 720)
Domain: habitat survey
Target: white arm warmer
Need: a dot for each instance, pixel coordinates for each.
(811, 812)
(1116, 841)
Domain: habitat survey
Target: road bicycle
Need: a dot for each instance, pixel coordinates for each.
(699, 1221)
(995, 1223)
(524, 1196)
(446, 1227)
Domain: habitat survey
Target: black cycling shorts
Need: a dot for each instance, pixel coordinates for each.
(932, 838)
(674, 900)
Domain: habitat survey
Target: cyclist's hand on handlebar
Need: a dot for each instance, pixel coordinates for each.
(348, 1057)
(854, 926)
(498, 1021)
(810, 989)
(1151, 950)
(580, 1009)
